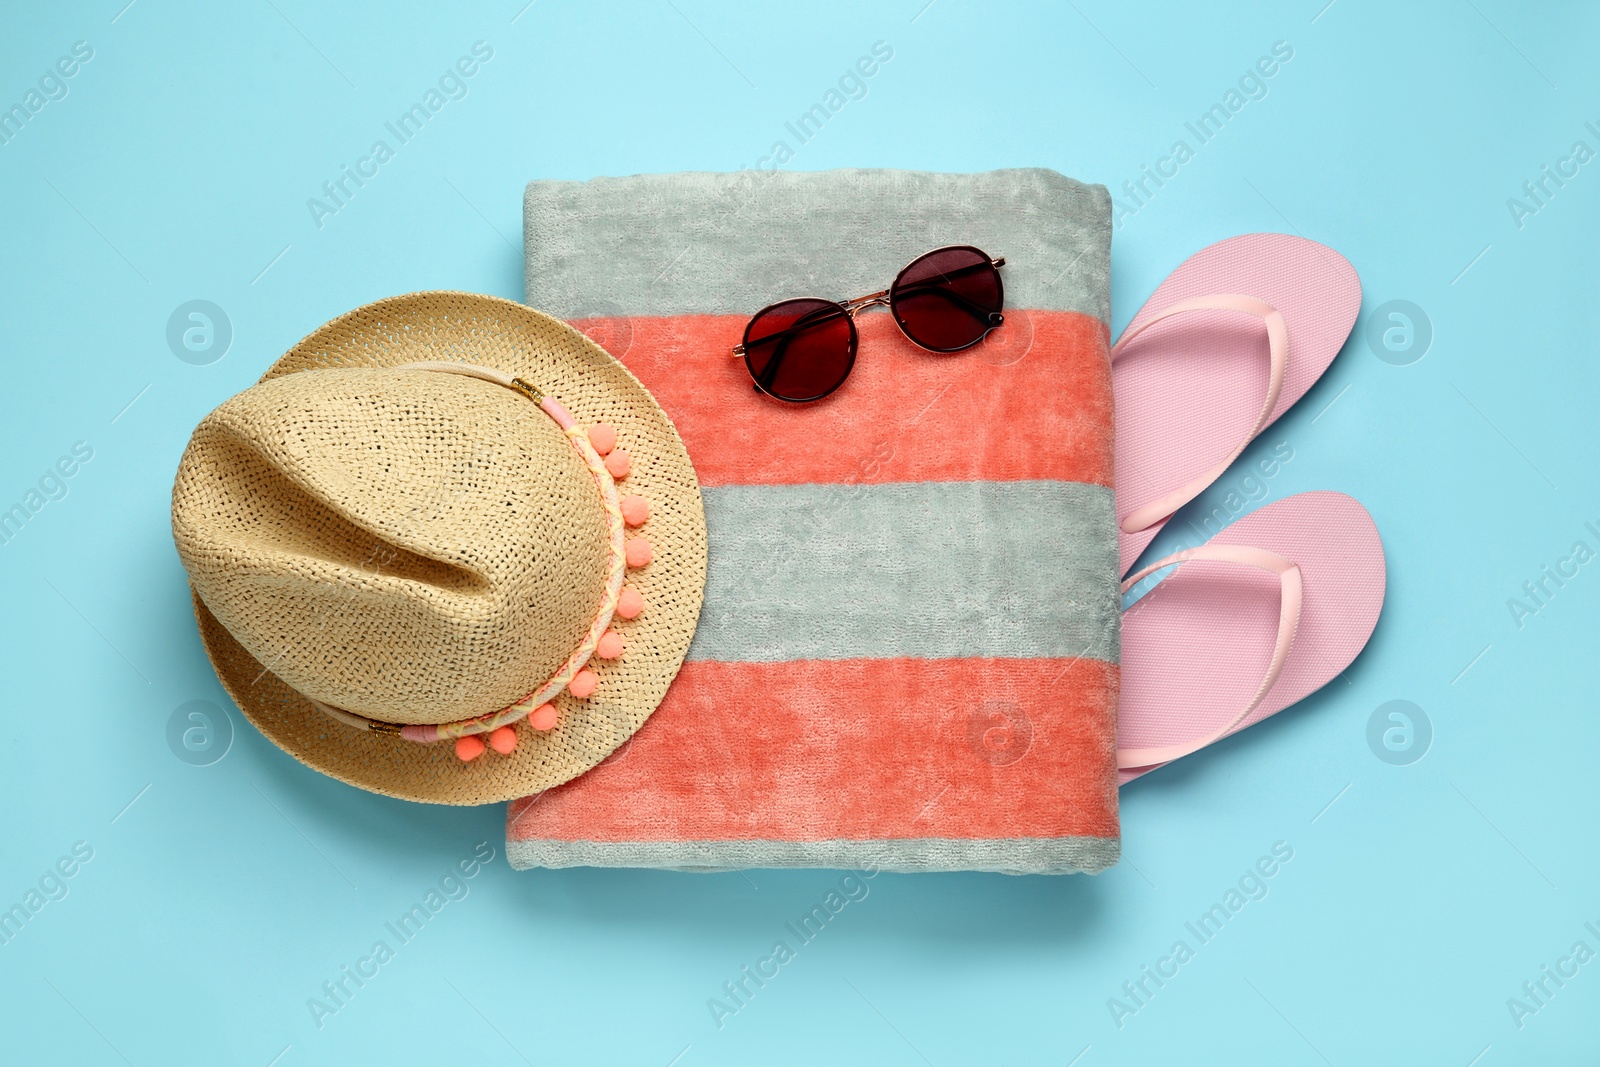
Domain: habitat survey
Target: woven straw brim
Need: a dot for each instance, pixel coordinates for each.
(469, 328)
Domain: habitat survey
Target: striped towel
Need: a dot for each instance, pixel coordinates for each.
(907, 657)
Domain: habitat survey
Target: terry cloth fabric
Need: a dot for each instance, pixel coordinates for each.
(907, 655)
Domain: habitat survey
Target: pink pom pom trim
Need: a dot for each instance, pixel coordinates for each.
(583, 684)
(603, 437)
(635, 510)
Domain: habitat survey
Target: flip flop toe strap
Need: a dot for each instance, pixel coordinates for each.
(1291, 596)
(1147, 515)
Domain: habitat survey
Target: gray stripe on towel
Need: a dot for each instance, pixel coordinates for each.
(622, 246)
(1020, 570)
(1009, 855)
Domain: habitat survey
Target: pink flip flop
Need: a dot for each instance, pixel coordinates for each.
(1221, 349)
(1268, 611)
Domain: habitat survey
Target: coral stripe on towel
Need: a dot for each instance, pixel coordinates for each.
(897, 748)
(1016, 407)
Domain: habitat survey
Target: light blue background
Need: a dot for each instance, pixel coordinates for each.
(220, 898)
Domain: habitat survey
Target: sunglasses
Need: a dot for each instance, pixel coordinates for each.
(944, 301)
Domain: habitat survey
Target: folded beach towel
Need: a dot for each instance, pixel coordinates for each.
(907, 657)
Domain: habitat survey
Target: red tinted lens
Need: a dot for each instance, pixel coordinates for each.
(948, 299)
(800, 350)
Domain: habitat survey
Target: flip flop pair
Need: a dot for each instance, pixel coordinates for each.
(1279, 603)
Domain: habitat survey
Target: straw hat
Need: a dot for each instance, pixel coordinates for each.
(383, 554)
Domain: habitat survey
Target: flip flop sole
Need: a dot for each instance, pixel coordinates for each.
(1190, 388)
(1196, 646)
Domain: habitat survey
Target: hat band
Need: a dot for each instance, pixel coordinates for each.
(620, 554)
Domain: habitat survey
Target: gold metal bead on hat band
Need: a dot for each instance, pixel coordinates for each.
(528, 389)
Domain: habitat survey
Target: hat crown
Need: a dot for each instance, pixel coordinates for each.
(410, 546)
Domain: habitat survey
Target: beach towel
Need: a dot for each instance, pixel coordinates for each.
(907, 655)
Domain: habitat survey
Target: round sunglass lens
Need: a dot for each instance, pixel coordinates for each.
(800, 350)
(948, 299)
